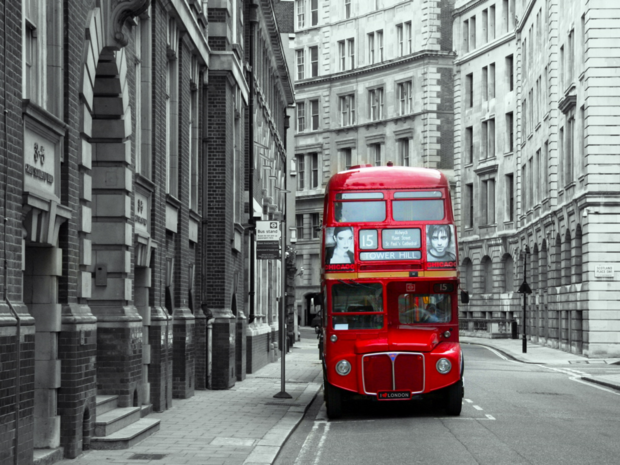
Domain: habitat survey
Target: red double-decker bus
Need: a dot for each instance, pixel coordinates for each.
(389, 286)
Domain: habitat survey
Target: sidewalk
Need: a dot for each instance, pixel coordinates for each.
(242, 425)
(537, 354)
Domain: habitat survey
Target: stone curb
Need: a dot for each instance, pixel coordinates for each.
(601, 382)
(268, 448)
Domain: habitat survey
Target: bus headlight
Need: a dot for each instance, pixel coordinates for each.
(444, 366)
(343, 368)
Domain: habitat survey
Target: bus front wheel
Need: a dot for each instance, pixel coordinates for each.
(333, 401)
(454, 399)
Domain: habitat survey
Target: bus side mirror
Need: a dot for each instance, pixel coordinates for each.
(464, 297)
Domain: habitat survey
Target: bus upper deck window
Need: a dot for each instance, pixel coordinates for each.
(418, 210)
(356, 212)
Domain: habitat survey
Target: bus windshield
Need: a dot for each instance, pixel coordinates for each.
(424, 308)
(364, 300)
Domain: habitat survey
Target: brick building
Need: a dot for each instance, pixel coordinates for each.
(373, 83)
(537, 174)
(125, 198)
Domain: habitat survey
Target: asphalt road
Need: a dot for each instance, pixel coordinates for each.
(513, 413)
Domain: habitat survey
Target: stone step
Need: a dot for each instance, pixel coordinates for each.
(115, 420)
(145, 410)
(47, 456)
(106, 403)
(126, 437)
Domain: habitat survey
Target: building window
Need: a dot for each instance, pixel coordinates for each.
(491, 81)
(301, 17)
(510, 197)
(469, 205)
(509, 272)
(524, 187)
(571, 56)
(172, 113)
(510, 72)
(314, 110)
(345, 155)
(299, 223)
(314, 11)
(347, 9)
(537, 179)
(375, 104)
(375, 153)
(469, 145)
(492, 22)
(342, 57)
(301, 116)
(346, 107)
(485, 84)
(351, 52)
(487, 275)
(403, 152)
(472, 33)
(300, 64)
(314, 61)
(488, 201)
(510, 136)
(403, 39)
(408, 38)
(523, 121)
(469, 90)
(301, 172)
(490, 141)
(375, 47)
(465, 36)
(545, 162)
(570, 150)
(314, 166)
(524, 55)
(485, 25)
(405, 98)
(316, 225)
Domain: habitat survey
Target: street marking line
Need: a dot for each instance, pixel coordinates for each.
(319, 450)
(469, 401)
(490, 417)
(477, 407)
(577, 380)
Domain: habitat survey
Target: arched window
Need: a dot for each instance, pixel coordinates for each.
(487, 275)
(542, 266)
(509, 273)
(566, 259)
(535, 269)
(468, 271)
(577, 270)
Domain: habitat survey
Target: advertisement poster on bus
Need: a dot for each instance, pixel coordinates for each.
(440, 246)
(339, 249)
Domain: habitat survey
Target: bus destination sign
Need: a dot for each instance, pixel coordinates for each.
(396, 255)
(401, 238)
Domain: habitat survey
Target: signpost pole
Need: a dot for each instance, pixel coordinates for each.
(282, 323)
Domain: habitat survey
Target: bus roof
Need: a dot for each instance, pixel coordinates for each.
(387, 177)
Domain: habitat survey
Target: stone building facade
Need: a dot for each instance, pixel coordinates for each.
(373, 84)
(127, 211)
(537, 169)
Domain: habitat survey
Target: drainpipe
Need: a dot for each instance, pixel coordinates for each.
(6, 267)
(252, 292)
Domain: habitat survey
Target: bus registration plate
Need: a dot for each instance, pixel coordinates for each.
(394, 395)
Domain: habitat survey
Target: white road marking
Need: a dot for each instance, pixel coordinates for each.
(313, 445)
(616, 393)
(490, 417)
(477, 407)
(469, 401)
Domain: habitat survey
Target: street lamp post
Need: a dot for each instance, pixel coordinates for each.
(282, 318)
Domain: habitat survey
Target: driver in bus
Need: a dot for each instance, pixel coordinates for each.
(342, 252)
(439, 238)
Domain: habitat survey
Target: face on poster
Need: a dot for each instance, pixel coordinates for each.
(339, 246)
(440, 243)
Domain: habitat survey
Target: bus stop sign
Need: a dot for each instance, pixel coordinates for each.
(268, 236)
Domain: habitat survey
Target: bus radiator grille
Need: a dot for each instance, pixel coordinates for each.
(393, 371)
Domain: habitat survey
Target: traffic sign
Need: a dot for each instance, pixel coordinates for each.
(268, 231)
